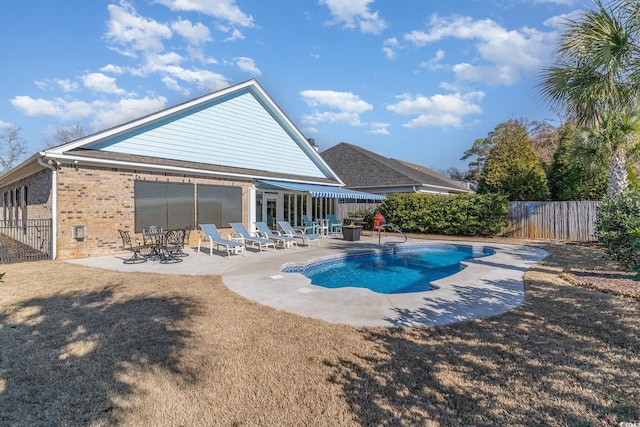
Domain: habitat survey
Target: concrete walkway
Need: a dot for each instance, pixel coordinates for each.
(487, 286)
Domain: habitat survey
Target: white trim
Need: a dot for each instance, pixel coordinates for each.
(92, 161)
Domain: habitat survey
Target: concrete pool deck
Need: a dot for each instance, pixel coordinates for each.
(486, 287)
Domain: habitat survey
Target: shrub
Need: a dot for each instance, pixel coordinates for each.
(462, 215)
(365, 214)
(617, 221)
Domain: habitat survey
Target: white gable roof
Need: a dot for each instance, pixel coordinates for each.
(238, 127)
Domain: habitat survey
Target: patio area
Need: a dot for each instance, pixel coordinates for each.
(487, 286)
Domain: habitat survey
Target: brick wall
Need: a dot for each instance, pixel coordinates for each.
(101, 199)
(38, 195)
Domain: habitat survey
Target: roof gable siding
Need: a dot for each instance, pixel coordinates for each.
(236, 131)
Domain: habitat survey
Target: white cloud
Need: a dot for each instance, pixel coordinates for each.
(101, 114)
(379, 128)
(310, 130)
(437, 110)
(506, 52)
(559, 21)
(346, 107)
(203, 79)
(108, 114)
(159, 62)
(434, 63)
(113, 69)
(195, 34)
(236, 34)
(505, 74)
(58, 108)
(390, 46)
(133, 33)
(101, 83)
(173, 85)
(4, 124)
(247, 65)
(355, 13)
(67, 85)
(226, 10)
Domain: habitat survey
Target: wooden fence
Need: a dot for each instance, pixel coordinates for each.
(565, 221)
(345, 208)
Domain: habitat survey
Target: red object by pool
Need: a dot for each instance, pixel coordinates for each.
(378, 220)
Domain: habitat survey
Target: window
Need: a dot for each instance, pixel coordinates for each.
(170, 205)
(22, 205)
(219, 205)
(295, 205)
(5, 205)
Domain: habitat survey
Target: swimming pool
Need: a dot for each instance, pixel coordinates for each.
(403, 269)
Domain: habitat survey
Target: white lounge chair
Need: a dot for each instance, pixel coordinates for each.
(212, 235)
(243, 234)
(266, 232)
(288, 230)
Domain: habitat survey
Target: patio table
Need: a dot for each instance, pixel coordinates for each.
(161, 249)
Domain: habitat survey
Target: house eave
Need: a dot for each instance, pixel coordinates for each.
(411, 188)
(71, 159)
(23, 170)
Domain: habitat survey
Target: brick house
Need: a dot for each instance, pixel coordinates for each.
(232, 155)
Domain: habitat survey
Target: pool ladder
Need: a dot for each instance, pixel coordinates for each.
(381, 227)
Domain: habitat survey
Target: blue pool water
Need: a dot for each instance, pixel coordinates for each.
(403, 270)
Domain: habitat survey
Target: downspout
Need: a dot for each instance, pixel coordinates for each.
(54, 206)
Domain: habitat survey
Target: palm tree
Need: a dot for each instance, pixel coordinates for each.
(596, 78)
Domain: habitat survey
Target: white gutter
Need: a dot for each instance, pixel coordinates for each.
(54, 206)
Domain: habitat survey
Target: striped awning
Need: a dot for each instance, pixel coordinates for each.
(317, 190)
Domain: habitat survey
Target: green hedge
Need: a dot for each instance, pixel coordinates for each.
(618, 228)
(460, 215)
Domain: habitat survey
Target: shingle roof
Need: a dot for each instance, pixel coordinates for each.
(359, 168)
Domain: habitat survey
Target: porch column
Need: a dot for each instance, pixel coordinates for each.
(252, 208)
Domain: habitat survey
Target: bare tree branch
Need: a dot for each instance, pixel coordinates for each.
(12, 147)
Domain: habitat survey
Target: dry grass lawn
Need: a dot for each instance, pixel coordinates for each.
(82, 346)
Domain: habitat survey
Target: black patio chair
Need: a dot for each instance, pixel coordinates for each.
(171, 246)
(179, 237)
(136, 249)
(185, 239)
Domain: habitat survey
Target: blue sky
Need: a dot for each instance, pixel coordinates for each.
(414, 80)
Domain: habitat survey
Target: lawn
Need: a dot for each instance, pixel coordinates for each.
(83, 346)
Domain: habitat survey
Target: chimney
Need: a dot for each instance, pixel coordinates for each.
(312, 142)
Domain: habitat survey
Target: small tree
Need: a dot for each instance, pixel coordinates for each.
(478, 154)
(545, 139)
(64, 135)
(595, 78)
(579, 170)
(512, 168)
(617, 228)
(12, 149)
(455, 174)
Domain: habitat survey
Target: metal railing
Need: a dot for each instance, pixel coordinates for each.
(25, 240)
(381, 227)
